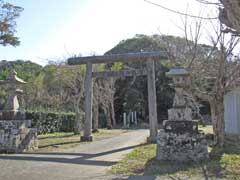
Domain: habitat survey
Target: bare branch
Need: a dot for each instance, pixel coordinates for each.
(180, 13)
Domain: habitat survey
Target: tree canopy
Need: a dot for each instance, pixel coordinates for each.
(8, 15)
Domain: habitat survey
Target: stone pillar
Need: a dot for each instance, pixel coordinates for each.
(124, 120)
(132, 117)
(128, 119)
(135, 117)
(88, 104)
(152, 102)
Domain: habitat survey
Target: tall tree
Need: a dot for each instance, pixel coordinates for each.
(75, 95)
(106, 90)
(214, 70)
(8, 15)
(213, 78)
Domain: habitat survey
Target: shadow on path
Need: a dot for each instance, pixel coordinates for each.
(83, 159)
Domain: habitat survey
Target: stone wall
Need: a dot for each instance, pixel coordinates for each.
(181, 147)
(15, 136)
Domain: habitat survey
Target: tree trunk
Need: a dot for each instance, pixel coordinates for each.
(95, 106)
(78, 118)
(217, 115)
(95, 117)
(77, 123)
(113, 114)
(108, 117)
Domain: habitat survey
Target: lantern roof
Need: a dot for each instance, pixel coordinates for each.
(177, 72)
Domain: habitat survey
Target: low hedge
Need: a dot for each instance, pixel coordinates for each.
(49, 122)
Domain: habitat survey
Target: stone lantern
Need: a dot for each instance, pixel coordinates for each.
(181, 80)
(16, 134)
(12, 110)
(180, 140)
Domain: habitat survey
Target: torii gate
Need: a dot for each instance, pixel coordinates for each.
(150, 57)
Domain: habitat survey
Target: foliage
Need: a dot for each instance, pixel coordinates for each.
(53, 89)
(25, 69)
(8, 14)
(117, 66)
(50, 122)
(139, 43)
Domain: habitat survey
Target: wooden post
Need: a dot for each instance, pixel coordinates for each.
(152, 102)
(88, 104)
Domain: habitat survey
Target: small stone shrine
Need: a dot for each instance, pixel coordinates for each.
(180, 140)
(15, 132)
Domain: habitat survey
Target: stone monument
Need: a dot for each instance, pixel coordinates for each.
(180, 139)
(15, 132)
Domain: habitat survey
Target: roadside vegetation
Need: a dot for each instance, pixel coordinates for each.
(224, 163)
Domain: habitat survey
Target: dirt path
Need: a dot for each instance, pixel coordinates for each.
(87, 161)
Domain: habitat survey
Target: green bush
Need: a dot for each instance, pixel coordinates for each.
(50, 122)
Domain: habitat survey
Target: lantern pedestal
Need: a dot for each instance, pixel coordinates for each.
(16, 136)
(181, 147)
(12, 115)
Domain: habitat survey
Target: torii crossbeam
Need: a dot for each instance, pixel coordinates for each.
(149, 57)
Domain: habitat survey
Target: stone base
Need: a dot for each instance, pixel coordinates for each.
(180, 126)
(181, 147)
(86, 138)
(12, 115)
(15, 136)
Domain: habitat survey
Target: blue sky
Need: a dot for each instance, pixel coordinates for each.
(56, 29)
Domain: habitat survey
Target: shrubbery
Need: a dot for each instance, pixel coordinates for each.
(49, 122)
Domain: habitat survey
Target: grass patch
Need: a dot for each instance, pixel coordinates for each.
(55, 135)
(223, 163)
(61, 140)
(57, 141)
(141, 161)
(134, 162)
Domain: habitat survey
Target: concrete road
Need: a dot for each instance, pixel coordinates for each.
(87, 161)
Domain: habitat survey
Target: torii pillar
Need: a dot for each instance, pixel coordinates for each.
(152, 101)
(88, 104)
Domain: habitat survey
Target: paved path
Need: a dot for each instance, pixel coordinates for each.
(87, 161)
